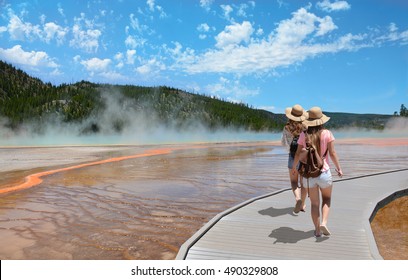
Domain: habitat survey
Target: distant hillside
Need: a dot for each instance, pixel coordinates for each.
(369, 121)
(96, 108)
(26, 99)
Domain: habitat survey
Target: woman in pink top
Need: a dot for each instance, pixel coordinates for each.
(323, 140)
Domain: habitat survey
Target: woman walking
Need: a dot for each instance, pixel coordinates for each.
(290, 136)
(322, 140)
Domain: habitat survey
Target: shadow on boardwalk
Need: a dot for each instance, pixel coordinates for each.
(276, 212)
(266, 228)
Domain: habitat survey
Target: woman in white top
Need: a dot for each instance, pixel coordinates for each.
(290, 134)
(323, 141)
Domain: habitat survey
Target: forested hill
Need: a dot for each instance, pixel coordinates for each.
(101, 107)
(26, 99)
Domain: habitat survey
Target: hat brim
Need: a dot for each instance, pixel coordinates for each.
(316, 122)
(288, 113)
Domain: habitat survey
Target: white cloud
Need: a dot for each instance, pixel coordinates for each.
(3, 29)
(85, 36)
(234, 34)
(204, 27)
(242, 9)
(34, 59)
(227, 9)
(403, 36)
(85, 39)
(134, 41)
(326, 25)
(56, 72)
(394, 36)
(393, 27)
(61, 10)
(327, 6)
(53, 30)
(232, 90)
(112, 76)
(42, 19)
(161, 11)
(130, 56)
(301, 25)
(153, 7)
(150, 3)
(294, 40)
(144, 69)
(131, 41)
(152, 66)
(77, 58)
(20, 30)
(96, 65)
(134, 23)
(120, 65)
(281, 3)
(118, 56)
(206, 4)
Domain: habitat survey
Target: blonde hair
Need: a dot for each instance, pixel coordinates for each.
(313, 136)
(294, 127)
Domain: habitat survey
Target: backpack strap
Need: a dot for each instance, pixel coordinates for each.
(324, 156)
(325, 153)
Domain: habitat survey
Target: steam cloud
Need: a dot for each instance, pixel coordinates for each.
(398, 124)
(123, 121)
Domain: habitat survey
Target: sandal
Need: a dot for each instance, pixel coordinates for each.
(324, 230)
(297, 206)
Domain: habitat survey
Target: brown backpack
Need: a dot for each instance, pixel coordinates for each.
(311, 166)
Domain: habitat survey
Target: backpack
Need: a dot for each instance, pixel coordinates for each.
(293, 146)
(312, 168)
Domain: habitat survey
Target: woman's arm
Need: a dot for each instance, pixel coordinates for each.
(299, 151)
(335, 159)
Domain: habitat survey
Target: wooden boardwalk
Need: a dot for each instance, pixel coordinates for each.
(266, 228)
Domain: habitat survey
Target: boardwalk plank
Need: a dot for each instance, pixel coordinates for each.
(266, 228)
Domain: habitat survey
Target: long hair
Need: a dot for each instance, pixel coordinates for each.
(313, 136)
(294, 127)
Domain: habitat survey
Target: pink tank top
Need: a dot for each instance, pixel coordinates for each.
(325, 138)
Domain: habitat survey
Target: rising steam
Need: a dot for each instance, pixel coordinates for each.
(123, 121)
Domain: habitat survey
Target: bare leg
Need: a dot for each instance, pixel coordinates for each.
(303, 194)
(326, 201)
(296, 191)
(303, 191)
(295, 185)
(315, 207)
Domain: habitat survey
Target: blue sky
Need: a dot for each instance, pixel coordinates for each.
(344, 56)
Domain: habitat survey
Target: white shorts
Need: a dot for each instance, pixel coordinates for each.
(325, 180)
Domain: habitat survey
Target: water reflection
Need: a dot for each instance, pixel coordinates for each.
(147, 207)
(142, 208)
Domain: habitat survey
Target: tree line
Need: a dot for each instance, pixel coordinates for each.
(403, 111)
(27, 99)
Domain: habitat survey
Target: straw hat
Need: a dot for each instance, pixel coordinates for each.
(296, 113)
(316, 117)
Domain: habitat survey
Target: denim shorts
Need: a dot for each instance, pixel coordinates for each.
(325, 180)
(290, 161)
